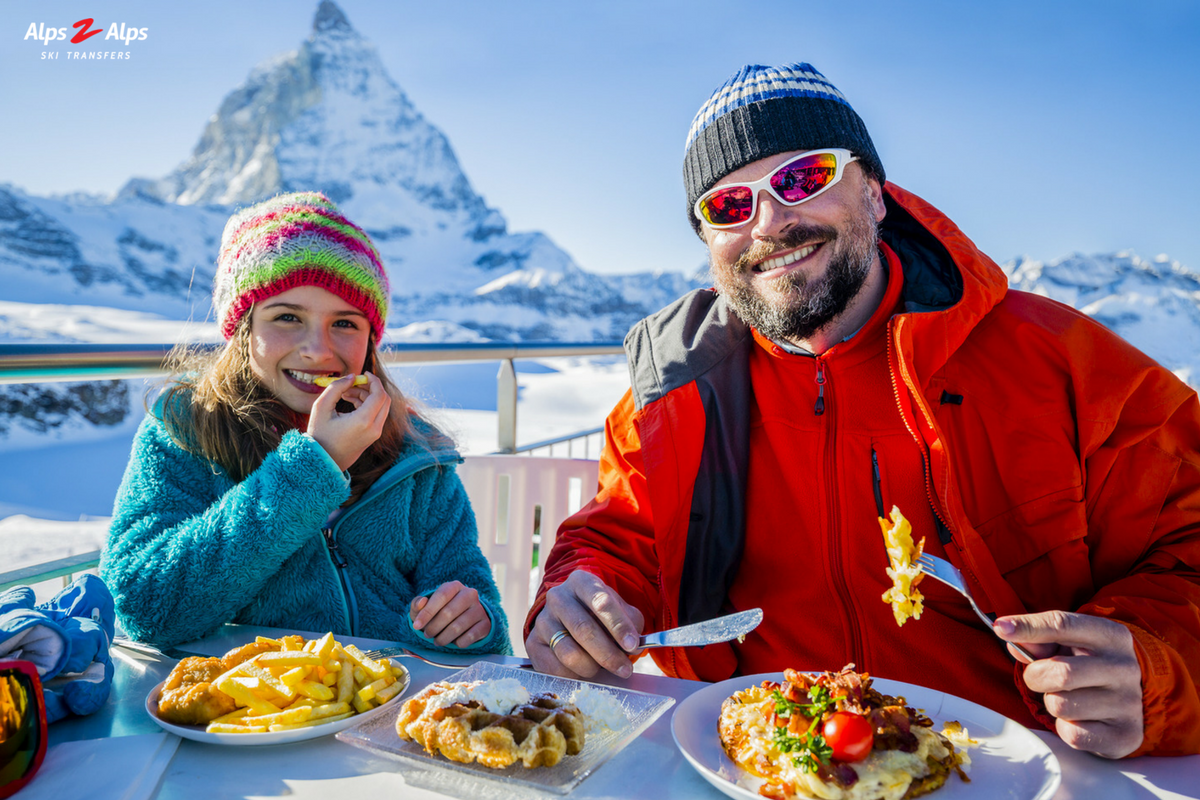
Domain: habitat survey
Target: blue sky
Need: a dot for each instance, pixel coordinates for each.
(1041, 128)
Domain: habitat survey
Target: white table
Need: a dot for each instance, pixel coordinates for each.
(651, 767)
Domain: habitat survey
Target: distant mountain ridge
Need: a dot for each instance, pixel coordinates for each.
(326, 117)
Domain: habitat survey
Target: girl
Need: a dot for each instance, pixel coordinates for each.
(256, 495)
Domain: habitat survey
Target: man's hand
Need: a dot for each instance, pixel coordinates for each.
(452, 614)
(602, 630)
(346, 435)
(1088, 672)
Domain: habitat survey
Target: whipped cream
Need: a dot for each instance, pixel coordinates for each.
(499, 697)
(601, 709)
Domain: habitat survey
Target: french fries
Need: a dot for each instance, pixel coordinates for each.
(299, 684)
(325, 380)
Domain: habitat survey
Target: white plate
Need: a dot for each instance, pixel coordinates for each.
(1010, 762)
(197, 733)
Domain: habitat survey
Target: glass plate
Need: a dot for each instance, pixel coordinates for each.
(378, 734)
(1010, 761)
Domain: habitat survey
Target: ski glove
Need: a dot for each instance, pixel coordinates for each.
(67, 639)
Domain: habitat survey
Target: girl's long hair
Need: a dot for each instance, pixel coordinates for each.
(217, 408)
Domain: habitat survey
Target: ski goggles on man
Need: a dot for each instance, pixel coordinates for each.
(22, 725)
(799, 180)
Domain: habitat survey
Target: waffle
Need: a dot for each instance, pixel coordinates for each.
(537, 734)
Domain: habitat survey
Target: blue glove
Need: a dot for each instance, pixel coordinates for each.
(86, 614)
(86, 597)
(27, 633)
(67, 640)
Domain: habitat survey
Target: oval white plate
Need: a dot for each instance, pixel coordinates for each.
(197, 733)
(1010, 762)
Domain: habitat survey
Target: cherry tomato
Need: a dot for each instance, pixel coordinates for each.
(849, 735)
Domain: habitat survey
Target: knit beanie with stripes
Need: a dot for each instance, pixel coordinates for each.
(298, 239)
(763, 111)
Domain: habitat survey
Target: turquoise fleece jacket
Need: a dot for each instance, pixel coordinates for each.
(189, 549)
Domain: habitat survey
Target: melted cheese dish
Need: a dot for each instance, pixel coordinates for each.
(747, 727)
(905, 597)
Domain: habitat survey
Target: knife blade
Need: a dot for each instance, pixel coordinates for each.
(720, 629)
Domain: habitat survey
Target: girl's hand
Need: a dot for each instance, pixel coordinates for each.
(346, 435)
(453, 613)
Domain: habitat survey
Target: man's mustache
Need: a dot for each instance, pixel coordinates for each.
(796, 237)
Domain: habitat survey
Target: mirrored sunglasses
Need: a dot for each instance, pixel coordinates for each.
(800, 179)
(22, 725)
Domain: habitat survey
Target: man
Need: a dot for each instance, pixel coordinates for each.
(859, 352)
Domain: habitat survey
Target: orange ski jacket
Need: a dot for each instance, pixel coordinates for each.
(1071, 481)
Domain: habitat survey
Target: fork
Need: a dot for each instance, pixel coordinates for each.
(404, 652)
(942, 570)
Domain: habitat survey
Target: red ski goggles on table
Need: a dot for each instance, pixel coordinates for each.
(800, 179)
(22, 725)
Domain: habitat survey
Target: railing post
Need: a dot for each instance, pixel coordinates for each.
(506, 407)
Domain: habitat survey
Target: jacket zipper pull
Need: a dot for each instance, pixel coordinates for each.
(877, 483)
(333, 548)
(819, 408)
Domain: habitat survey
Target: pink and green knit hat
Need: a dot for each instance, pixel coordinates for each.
(298, 239)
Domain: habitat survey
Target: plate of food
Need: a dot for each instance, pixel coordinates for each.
(275, 691)
(847, 736)
(492, 725)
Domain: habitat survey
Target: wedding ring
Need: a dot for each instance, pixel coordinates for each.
(558, 637)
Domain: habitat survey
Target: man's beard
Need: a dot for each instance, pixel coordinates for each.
(792, 307)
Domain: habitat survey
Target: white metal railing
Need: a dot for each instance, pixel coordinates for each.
(65, 568)
(45, 363)
(565, 446)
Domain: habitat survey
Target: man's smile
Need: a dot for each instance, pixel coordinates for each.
(779, 262)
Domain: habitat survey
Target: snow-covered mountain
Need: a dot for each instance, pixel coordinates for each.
(327, 117)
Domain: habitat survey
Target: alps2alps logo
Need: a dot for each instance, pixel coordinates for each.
(83, 30)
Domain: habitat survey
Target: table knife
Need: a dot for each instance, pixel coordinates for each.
(720, 629)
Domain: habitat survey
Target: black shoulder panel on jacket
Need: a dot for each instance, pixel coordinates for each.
(680, 343)
(931, 280)
(699, 339)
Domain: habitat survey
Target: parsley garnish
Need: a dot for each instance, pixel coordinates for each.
(811, 748)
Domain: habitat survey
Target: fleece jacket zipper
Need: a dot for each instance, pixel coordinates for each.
(349, 604)
(399, 471)
(825, 407)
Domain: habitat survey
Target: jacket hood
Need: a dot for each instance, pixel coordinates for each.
(949, 284)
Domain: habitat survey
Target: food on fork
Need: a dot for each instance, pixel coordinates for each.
(325, 380)
(496, 723)
(905, 597)
(834, 736)
(277, 684)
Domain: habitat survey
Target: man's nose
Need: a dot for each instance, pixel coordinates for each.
(773, 219)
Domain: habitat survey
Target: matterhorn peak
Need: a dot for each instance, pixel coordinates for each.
(328, 117)
(330, 18)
